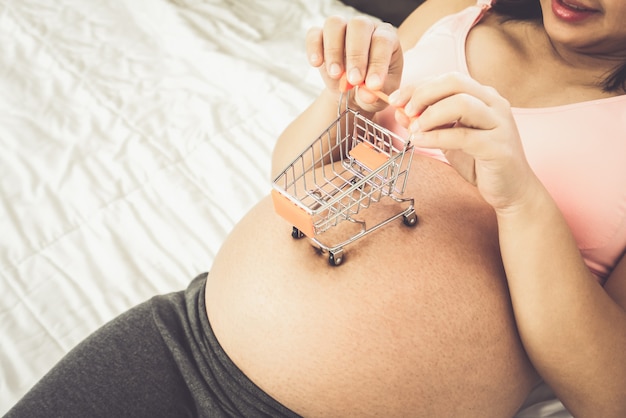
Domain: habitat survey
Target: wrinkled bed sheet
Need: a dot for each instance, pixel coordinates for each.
(133, 136)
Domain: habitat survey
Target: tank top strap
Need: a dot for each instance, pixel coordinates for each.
(484, 5)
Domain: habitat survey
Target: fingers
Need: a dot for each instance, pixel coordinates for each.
(458, 138)
(326, 46)
(362, 48)
(460, 108)
(315, 46)
(455, 112)
(357, 54)
(333, 42)
(385, 57)
(457, 122)
(438, 90)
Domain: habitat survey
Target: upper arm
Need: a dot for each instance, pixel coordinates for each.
(425, 16)
(615, 285)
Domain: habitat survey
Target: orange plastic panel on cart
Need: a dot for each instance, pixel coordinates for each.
(368, 156)
(293, 213)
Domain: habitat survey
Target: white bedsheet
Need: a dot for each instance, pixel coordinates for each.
(133, 135)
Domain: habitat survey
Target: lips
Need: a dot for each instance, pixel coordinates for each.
(571, 11)
(576, 6)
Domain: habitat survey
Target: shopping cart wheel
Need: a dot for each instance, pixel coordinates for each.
(296, 233)
(335, 258)
(410, 219)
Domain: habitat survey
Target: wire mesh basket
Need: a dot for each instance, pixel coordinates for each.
(352, 165)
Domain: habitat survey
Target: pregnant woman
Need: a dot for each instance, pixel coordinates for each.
(514, 274)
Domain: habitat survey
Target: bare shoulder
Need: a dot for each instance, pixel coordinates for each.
(425, 16)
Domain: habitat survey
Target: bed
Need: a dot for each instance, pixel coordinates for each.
(133, 136)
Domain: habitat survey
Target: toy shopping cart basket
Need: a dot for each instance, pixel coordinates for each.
(353, 164)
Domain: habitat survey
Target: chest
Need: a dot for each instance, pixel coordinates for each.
(579, 153)
(520, 63)
(574, 137)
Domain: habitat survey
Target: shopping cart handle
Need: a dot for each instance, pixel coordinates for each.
(344, 86)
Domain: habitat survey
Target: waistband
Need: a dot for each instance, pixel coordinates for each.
(216, 384)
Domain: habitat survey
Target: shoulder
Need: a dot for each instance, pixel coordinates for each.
(423, 17)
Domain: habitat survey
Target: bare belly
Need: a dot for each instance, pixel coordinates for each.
(417, 321)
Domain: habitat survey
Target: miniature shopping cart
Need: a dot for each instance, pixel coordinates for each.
(353, 164)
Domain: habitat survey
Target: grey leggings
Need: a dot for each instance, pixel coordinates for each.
(159, 359)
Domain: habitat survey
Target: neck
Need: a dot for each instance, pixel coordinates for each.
(586, 68)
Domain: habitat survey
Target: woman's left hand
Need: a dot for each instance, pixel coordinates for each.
(473, 125)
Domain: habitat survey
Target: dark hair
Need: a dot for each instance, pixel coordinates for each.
(530, 10)
(518, 9)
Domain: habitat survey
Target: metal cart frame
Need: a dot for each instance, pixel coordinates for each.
(351, 165)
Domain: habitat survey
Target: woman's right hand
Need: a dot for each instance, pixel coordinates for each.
(365, 50)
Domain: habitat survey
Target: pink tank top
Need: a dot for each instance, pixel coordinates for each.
(578, 150)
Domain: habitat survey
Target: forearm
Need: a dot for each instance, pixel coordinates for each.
(573, 331)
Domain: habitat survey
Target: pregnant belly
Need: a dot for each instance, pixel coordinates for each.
(417, 321)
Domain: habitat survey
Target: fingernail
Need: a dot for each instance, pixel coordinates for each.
(408, 109)
(313, 59)
(374, 81)
(334, 70)
(354, 76)
(415, 126)
(393, 97)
